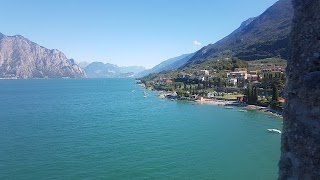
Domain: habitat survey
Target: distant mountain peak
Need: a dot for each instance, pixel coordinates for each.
(247, 22)
(18, 36)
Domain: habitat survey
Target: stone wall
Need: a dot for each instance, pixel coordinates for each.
(300, 146)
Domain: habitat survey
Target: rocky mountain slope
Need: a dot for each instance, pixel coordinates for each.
(22, 58)
(265, 36)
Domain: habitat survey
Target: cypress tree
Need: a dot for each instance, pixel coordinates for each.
(254, 95)
(275, 93)
(249, 94)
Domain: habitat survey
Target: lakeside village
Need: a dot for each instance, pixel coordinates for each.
(260, 89)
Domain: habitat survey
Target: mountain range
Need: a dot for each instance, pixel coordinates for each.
(261, 37)
(107, 70)
(170, 64)
(22, 58)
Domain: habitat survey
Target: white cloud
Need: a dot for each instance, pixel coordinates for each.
(197, 43)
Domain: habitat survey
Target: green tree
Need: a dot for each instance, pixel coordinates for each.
(254, 95)
(275, 93)
(199, 86)
(251, 94)
(210, 83)
(248, 94)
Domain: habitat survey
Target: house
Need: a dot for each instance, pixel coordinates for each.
(281, 101)
(212, 94)
(265, 71)
(204, 72)
(169, 81)
(238, 75)
(227, 71)
(201, 72)
(253, 72)
(277, 69)
(185, 76)
(252, 77)
(201, 99)
(240, 98)
(240, 69)
(202, 78)
(233, 81)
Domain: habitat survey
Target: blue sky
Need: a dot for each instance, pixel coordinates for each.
(126, 32)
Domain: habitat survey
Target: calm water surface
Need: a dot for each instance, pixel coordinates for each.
(100, 129)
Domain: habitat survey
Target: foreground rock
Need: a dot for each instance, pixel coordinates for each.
(300, 146)
(22, 58)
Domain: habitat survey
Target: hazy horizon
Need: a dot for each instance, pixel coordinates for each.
(126, 33)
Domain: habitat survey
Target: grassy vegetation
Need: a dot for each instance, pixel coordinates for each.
(230, 96)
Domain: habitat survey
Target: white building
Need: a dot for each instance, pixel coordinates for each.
(201, 72)
(238, 75)
(233, 81)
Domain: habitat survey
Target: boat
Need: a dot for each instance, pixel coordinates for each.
(145, 96)
(133, 90)
(228, 107)
(274, 131)
(242, 110)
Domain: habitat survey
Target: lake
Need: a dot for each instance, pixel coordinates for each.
(101, 129)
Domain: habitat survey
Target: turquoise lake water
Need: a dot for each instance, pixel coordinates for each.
(100, 129)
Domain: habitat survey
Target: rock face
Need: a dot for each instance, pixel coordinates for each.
(300, 146)
(22, 58)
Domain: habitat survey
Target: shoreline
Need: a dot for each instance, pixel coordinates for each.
(207, 101)
(246, 107)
